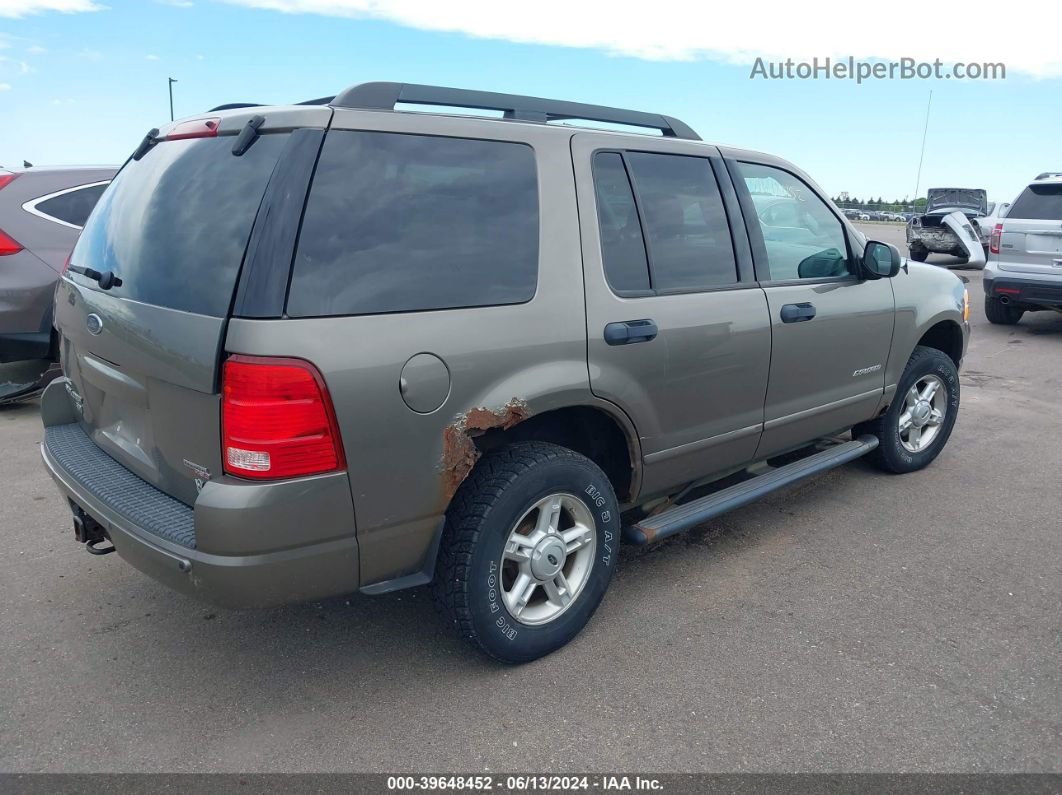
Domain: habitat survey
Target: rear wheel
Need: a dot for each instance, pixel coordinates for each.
(919, 252)
(1002, 314)
(916, 426)
(530, 544)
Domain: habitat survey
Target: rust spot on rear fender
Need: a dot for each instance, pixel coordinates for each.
(460, 453)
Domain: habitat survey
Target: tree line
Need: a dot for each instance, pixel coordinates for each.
(897, 205)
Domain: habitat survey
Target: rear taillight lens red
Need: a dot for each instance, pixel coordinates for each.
(196, 128)
(8, 245)
(277, 419)
(993, 242)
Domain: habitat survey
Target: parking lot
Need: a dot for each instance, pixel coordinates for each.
(857, 622)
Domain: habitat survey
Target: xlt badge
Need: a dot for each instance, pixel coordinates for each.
(202, 474)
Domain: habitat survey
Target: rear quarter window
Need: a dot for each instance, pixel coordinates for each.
(1038, 202)
(399, 223)
(71, 206)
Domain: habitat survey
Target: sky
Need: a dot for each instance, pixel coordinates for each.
(81, 81)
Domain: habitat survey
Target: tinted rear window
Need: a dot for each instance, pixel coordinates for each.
(622, 244)
(72, 207)
(400, 222)
(1038, 202)
(685, 223)
(174, 225)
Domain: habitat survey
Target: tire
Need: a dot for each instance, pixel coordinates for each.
(918, 253)
(893, 454)
(1002, 314)
(473, 581)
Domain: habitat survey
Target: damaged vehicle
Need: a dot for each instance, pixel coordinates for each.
(954, 223)
(42, 211)
(337, 346)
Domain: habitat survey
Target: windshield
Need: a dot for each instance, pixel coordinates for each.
(174, 224)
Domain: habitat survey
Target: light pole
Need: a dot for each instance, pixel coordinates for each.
(172, 81)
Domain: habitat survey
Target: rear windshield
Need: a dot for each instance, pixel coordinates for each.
(174, 224)
(1038, 202)
(399, 223)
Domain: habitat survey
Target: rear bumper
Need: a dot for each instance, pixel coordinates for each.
(1040, 292)
(178, 545)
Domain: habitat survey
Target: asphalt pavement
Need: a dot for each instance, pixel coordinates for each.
(856, 622)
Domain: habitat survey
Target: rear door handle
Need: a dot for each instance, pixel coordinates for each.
(797, 313)
(627, 332)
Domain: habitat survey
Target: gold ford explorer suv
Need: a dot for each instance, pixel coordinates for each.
(330, 347)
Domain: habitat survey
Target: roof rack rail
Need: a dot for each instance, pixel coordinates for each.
(384, 96)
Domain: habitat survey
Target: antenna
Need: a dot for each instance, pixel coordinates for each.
(922, 155)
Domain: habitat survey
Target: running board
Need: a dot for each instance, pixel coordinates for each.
(683, 517)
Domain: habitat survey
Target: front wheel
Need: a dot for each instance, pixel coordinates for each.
(530, 544)
(917, 424)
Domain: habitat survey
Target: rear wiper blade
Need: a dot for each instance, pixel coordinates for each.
(105, 279)
(247, 135)
(149, 141)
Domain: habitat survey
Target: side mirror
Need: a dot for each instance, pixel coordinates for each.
(880, 260)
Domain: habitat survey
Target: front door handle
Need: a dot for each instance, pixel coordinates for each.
(797, 313)
(630, 331)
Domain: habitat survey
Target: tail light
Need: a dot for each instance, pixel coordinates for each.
(993, 242)
(8, 245)
(196, 128)
(277, 419)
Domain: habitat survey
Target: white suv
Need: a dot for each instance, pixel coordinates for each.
(1024, 268)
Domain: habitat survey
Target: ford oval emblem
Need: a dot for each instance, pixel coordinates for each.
(94, 323)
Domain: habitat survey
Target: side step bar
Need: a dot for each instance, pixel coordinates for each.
(683, 517)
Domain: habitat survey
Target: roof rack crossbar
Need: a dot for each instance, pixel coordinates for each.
(384, 96)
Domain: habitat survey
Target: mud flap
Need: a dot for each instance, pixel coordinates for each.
(968, 237)
(24, 380)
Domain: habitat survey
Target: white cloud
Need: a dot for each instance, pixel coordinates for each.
(679, 30)
(91, 55)
(21, 8)
(151, 57)
(36, 49)
(12, 66)
(5, 86)
(176, 3)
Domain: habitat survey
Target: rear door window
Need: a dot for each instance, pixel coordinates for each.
(398, 223)
(174, 224)
(1038, 202)
(685, 223)
(72, 206)
(622, 244)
